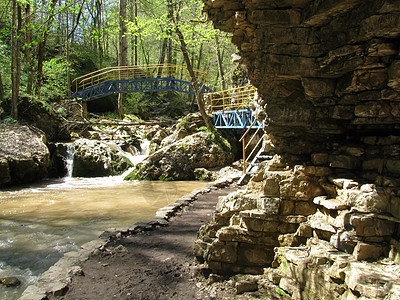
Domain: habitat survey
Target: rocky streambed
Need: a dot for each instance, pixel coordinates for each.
(181, 152)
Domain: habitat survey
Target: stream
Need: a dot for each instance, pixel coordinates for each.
(41, 222)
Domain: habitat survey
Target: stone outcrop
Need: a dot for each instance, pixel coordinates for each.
(327, 75)
(322, 272)
(304, 222)
(44, 117)
(18, 163)
(98, 158)
(178, 160)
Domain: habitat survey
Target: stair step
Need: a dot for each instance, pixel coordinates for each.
(266, 157)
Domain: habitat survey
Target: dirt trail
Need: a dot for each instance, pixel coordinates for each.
(157, 264)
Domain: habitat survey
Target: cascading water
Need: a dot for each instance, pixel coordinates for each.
(138, 156)
(69, 158)
(142, 153)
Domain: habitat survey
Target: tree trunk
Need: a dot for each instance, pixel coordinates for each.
(199, 97)
(67, 56)
(123, 48)
(16, 57)
(1, 89)
(219, 63)
(162, 57)
(28, 46)
(200, 56)
(99, 47)
(136, 37)
(42, 45)
(170, 16)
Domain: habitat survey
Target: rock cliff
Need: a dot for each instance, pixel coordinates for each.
(327, 74)
(329, 200)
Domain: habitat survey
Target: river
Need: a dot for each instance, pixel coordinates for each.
(41, 222)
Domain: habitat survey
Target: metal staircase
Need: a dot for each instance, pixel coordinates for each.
(256, 156)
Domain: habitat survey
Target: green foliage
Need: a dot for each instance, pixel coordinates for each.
(152, 104)
(220, 140)
(133, 118)
(162, 178)
(202, 128)
(203, 177)
(92, 47)
(281, 292)
(9, 120)
(5, 67)
(55, 77)
(135, 175)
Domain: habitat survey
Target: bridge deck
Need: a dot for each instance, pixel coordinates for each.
(230, 108)
(125, 79)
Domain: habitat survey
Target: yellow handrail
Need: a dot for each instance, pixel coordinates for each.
(232, 99)
(137, 72)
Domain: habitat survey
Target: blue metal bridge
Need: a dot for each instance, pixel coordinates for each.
(242, 118)
(128, 79)
(230, 108)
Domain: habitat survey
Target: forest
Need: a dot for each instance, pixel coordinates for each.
(44, 45)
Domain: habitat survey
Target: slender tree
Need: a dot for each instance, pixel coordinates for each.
(1, 89)
(28, 48)
(123, 48)
(42, 45)
(16, 57)
(199, 97)
(170, 7)
(219, 63)
(135, 38)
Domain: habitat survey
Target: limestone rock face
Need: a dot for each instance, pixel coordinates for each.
(285, 218)
(179, 160)
(98, 158)
(328, 76)
(327, 73)
(18, 163)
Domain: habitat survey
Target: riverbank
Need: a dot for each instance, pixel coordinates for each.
(150, 260)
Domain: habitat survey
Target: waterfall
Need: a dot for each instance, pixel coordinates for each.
(69, 158)
(143, 152)
(138, 156)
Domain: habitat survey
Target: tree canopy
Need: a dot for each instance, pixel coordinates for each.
(46, 44)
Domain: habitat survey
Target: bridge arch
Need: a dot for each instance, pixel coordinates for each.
(127, 79)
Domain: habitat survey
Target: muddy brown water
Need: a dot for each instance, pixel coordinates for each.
(38, 224)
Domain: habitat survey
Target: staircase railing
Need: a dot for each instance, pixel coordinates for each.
(245, 145)
(232, 99)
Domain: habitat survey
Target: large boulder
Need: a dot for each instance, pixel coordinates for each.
(98, 158)
(24, 156)
(41, 115)
(178, 160)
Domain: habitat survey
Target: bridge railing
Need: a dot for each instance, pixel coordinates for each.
(232, 99)
(138, 72)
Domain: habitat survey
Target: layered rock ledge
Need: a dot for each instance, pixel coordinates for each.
(327, 75)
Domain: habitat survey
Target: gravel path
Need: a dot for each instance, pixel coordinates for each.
(156, 264)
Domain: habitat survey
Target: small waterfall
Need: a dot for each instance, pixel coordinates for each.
(142, 153)
(69, 158)
(138, 156)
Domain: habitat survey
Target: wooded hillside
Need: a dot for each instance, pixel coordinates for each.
(44, 45)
